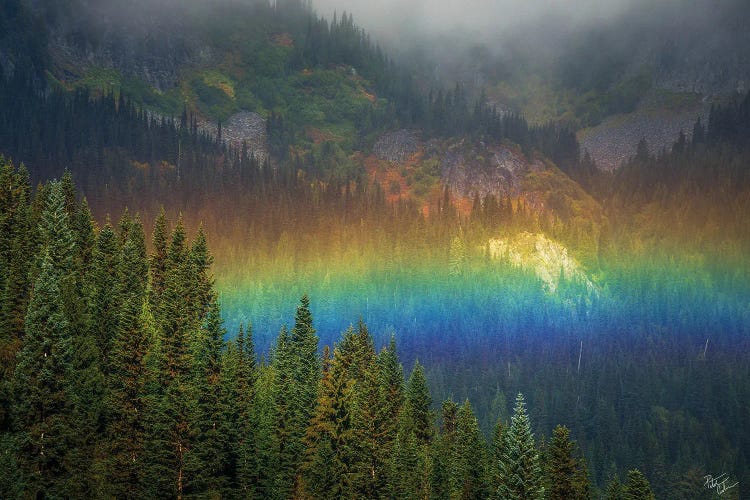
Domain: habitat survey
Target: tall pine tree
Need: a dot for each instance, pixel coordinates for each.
(390, 402)
(417, 413)
(207, 462)
(104, 290)
(42, 412)
(469, 463)
(332, 449)
(172, 396)
(637, 487)
(520, 468)
(497, 452)
(298, 373)
(126, 378)
(565, 475)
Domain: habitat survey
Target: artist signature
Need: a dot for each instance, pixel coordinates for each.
(718, 484)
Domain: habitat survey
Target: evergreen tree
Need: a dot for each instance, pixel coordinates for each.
(637, 487)
(202, 283)
(134, 264)
(69, 193)
(497, 452)
(408, 465)
(332, 447)
(390, 379)
(264, 415)
(582, 481)
(699, 132)
(443, 470)
(84, 384)
(87, 383)
(172, 400)
(307, 368)
(17, 238)
(42, 412)
(158, 260)
(231, 412)
(247, 450)
(357, 353)
(418, 416)
(206, 464)
(104, 293)
(469, 463)
(157, 471)
(298, 373)
(56, 235)
(614, 490)
(408, 474)
(83, 227)
(520, 469)
(283, 385)
(11, 484)
(87, 394)
(127, 376)
(564, 469)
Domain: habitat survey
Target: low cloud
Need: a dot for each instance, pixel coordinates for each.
(480, 20)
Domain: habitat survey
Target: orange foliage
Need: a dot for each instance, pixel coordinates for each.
(387, 174)
(283, 39)
(139, 165)
(319, 136)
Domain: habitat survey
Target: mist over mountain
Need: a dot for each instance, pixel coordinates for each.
(685, 46)
(478, 20)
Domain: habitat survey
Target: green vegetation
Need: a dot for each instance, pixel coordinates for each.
(544, 100)
(538, 99)
(424, 177)
(213, 101)
(141, 372)
(101, 81)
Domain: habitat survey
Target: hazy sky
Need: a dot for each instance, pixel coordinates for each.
(484, 18)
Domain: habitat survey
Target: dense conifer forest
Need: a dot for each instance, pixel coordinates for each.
(118, 386)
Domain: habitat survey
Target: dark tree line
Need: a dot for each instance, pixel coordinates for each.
(700, 188)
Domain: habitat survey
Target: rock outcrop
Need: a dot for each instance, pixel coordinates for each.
(397, 146)
(141, 39)
(547, 259)
(615, 139)
(483, 169)
(248, 127)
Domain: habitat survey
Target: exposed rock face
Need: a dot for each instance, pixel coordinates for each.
(482, 169)
(246, 126)
(615, 139)
(397, 146)
(546, 258)
(468, 169)
(144, 40)
(161, 71)
(249, 127)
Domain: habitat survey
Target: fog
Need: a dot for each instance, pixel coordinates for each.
(581, 42)
(480, 20)
(401, 24)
